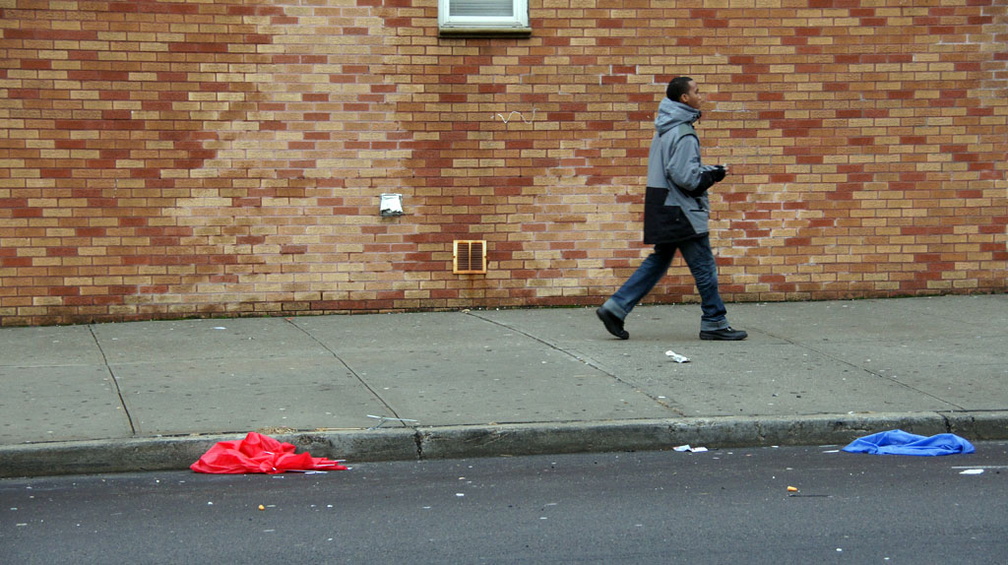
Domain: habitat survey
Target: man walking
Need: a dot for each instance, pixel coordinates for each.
(676, 214)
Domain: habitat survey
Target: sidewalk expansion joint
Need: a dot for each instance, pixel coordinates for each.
(346, 365)
(418, 438)
(865, 370)
(579, 358)
(115, 381)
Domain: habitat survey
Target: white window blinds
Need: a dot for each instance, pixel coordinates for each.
(508, 16)
(479, 8)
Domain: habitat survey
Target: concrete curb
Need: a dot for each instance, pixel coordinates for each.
(403, 444)
(719, 432)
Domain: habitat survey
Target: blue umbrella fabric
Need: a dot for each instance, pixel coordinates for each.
(898, 442)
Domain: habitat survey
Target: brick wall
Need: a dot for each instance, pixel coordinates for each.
(176, 158)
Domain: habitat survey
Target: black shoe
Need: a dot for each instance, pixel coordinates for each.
(724, 334)
(612, 324)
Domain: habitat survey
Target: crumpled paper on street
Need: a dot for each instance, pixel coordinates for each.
(259, 454)
(898, 442)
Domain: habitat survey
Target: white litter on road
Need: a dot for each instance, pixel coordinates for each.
(676, 357)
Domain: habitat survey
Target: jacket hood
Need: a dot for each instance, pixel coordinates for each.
(672, 114)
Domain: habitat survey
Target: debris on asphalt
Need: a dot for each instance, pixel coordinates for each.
(898, 442)
(689, 449)
(676, 357)
(259, 454)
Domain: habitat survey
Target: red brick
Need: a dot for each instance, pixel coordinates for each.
(232, 164)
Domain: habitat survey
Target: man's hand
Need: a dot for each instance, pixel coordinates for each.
(708, 178)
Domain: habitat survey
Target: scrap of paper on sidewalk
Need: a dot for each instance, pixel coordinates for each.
(676, 357)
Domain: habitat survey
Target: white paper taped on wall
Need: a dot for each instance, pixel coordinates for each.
(391, 204)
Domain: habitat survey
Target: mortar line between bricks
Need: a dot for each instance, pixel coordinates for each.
(115, 380)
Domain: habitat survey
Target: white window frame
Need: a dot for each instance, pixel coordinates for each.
(517, 22)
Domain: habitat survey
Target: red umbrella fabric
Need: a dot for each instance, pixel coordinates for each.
(259, 454)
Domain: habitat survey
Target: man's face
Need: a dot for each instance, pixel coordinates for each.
(692, 98)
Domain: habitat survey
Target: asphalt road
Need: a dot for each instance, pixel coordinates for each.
(730, 506)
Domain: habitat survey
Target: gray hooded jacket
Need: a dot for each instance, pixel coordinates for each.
(676, 205)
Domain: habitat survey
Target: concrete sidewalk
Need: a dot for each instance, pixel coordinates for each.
(156, 395)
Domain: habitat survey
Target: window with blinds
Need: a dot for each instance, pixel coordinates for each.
(475, 16)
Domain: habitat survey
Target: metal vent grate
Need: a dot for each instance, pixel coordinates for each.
(470, 257)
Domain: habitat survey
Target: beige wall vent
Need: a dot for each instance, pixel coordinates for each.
(470, 257)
